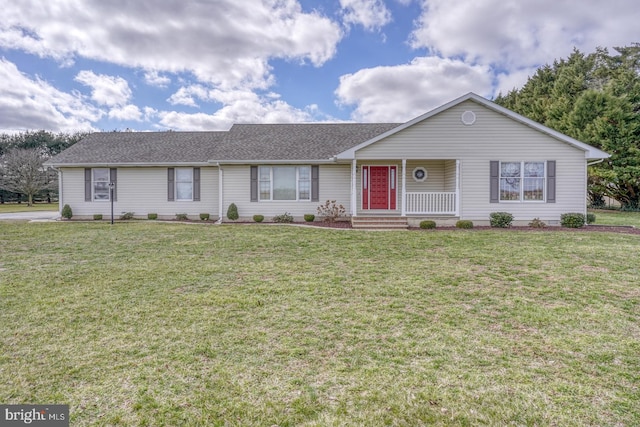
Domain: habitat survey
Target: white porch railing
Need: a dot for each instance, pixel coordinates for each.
(431, 203)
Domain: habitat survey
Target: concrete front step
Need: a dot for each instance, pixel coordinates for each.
(379, 222)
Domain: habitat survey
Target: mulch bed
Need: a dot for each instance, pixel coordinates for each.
(601, 228)
(589, 228)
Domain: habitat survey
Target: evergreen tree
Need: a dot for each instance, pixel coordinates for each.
(594, 98)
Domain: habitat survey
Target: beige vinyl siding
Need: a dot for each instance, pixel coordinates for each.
(436, 176)
(141, 191)
(492, 137)
(334, 184)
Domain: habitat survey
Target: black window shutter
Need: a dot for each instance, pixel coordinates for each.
(551, 181)
(87, 184)
(315, 183)
(494, 181)
(113, 177)
(171, 173)
(196, 184)
(254, 183)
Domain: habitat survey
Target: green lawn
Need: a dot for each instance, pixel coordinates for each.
(612, 217)
(257, 325)
(22, 207)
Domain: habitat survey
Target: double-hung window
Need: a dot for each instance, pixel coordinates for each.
(100, 184)
(284, 182)
(522, 181)
(184, 184)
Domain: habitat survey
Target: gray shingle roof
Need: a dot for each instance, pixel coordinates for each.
(251, 142)
(311, 141)
(140, 147)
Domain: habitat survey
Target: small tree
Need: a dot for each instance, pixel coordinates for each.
(22, 172)
(232, 212)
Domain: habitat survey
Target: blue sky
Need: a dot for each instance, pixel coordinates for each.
(79, 65)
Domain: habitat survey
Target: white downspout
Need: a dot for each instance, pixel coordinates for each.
(220, 190)
(354, 190)
(403, 211)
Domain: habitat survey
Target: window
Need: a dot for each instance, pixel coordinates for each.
(284, 182)
(100, 184)
(522, 181)
(184, 184)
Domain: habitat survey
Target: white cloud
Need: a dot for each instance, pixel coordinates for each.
(105, 90)
(126, 113)
(153, 78)
(225, 42)
(516, 34)
(400, 93)
(187, 95)
(371, 14)
(239, 107)
(27, 103)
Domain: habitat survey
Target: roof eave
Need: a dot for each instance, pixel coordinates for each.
(124, 164)
(270, 161)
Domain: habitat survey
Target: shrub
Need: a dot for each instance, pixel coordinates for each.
(126, 216)
(97, 217)
(284, 218)
(537, 223)
(232, 212)
(464, 223)
(66, 213)
(309, 217)
(258, 218)
(501, 219)
(591, 218)
(152, 216)
(572, 220)
(330, 211)
(204, 216)
(182, 217)
(427, 224)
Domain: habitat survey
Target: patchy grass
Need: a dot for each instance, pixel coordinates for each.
(166, 324)
(613, 217)
(22, 207)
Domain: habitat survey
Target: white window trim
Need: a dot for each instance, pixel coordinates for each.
(522, 178)
(93, 185)
(297, 168)
(175, 185)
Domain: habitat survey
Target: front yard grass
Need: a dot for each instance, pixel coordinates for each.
(22, 207)
(614, 217)
(167, 324)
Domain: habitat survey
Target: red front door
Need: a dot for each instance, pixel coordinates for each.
(378, 187)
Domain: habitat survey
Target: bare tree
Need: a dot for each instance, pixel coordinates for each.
(21, 171)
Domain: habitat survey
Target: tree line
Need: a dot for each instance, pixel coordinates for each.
(594, 98)
(22, 175)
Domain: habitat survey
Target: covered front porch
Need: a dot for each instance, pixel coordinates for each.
(405, 188)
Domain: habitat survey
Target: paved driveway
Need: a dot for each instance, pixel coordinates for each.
(31, 216)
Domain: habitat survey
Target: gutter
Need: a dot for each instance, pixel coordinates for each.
(331, 160)
(596, 162)
(124, 165)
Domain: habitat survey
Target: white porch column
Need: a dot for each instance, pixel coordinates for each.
(457, 188)
(403, 209)
(354, 189)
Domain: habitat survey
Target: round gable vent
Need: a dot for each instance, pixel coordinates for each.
(468, 118)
